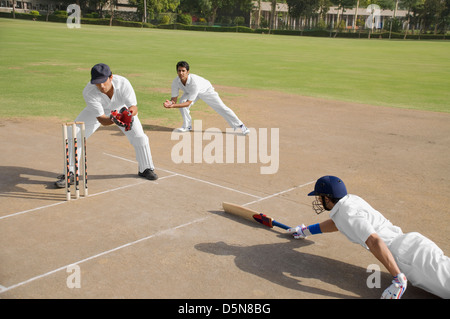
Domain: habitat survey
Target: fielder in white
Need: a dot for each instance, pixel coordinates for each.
(408, 257)
(195, 87)
(103, 94)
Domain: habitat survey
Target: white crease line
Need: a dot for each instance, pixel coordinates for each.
(122, 158)
(189, 177)
(31, 210)
(279, 193)
(4, 289)
(213, 184)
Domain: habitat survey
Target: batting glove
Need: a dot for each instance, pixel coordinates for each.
(299, 232)
(397, 288)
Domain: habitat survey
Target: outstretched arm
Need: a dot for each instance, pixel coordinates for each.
(173, 103)
(328, 226)
(379, 249)
(303, 231)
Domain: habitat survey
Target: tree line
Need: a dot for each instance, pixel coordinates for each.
(428, 14)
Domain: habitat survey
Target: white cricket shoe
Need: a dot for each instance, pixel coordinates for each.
(184, 129)
(244, 129)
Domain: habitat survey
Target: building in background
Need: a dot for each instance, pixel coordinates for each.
(123, 8)
(349, 16)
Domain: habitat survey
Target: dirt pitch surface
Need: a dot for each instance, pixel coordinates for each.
(133, 238)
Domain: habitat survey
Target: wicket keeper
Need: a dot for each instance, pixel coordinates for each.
(110, 99)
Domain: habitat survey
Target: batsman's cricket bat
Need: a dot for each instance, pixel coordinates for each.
(252, 215)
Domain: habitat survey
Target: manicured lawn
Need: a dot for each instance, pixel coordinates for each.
(45, 66)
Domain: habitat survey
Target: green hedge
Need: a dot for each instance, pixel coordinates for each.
(179, 26)
(25, 16)
(241, 29)
(63, 18)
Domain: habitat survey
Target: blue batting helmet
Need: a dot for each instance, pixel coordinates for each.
(330, 186)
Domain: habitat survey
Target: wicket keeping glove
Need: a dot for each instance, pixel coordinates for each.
(123, 118)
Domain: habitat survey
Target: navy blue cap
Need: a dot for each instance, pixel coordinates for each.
(100, 73)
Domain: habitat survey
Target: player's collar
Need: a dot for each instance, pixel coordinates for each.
(188, 81)
(338, 205)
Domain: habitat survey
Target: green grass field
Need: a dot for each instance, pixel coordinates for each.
(45, 66)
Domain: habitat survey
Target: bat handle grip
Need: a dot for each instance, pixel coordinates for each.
(275, 223)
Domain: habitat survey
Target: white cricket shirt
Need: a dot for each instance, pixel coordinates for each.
(357, 220)
(99, 103)
(195, 85)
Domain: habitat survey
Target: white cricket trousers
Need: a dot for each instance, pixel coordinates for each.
(136, 137)
(423, 263)
(212, 98)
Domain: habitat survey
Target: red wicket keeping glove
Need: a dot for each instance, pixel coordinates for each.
(123, 118)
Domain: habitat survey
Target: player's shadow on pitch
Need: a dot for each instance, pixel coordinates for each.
(285, 265)
(159, 128)
(16, 181)
(30, 183)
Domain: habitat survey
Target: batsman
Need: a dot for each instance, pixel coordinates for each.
(110, 99)
(408, 257)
